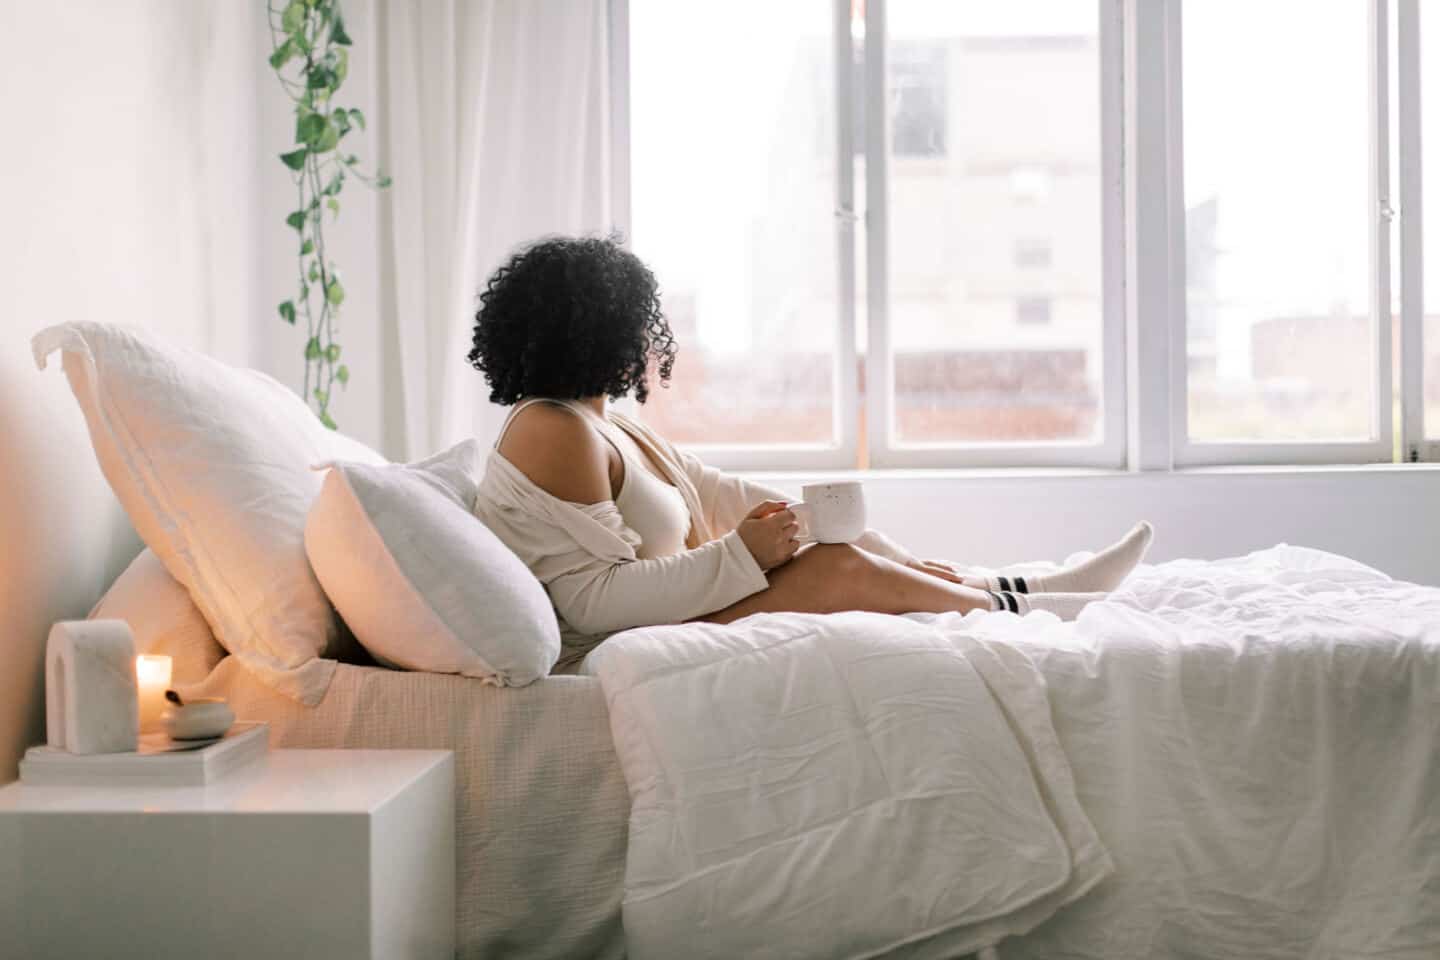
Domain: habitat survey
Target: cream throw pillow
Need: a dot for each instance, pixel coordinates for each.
(163, 618)
(421, 581)
(213, 465)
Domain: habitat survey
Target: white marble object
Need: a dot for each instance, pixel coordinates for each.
(91, 702)
(310, 853)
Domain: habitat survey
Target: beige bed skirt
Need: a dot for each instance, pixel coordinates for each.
(541, 805)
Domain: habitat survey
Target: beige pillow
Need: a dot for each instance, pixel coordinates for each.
(162, 617)
(212, 463)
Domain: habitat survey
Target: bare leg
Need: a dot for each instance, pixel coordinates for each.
(830, 578)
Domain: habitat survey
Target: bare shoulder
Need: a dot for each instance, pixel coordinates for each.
(560, 453)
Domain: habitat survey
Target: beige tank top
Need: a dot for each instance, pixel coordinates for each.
(649, 506)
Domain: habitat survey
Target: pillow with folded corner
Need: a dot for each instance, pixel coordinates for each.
(213, 465)
(421, 581)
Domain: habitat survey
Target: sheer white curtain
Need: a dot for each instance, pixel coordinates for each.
(495, 123)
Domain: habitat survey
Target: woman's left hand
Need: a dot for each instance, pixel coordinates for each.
(937, 568)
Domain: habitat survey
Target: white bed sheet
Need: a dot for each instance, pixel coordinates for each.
(1257, 742)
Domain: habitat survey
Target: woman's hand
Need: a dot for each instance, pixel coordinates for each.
(768, 531)
(939, 568)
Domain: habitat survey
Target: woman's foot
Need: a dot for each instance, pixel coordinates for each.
(1104, 571)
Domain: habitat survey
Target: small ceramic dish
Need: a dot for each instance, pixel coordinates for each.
(198, 720)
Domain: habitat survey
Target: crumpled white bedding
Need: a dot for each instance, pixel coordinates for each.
(838, 786)
(1257, 742)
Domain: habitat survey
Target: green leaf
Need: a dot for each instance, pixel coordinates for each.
(335, 293)
(287, 312)
(342, 67)
(326, 419)
(294, 16)
(320, 78)
(282, 54)
(314, 273)
(332, 352)
(342, 373)
(334, 205)
(382, 181)
(312, 349)
(327, 139)
(337, 32)
(296, 220)
(304, 290)
(351, 160)
(307, 247)
(309, 127)
(357, 118)
(341, 119)
(336, 182)
(295, 159)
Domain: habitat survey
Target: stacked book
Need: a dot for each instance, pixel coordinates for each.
(159, 761)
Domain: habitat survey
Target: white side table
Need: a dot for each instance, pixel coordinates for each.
(310, 853)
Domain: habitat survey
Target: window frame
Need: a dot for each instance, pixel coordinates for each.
(1419, 442)
(1144, 393)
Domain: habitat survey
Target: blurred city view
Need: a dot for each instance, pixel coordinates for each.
(996, 261)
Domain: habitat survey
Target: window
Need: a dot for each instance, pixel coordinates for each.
(900, 232)
(1032, 254)
(873, 291)
(1032, 311)
(985, 349)
(734, 173)
(1281, 340)
(1420, 30)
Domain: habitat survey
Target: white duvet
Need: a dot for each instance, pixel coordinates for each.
(1254, 742)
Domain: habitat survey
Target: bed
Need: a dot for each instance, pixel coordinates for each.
(1254, 741)
(1257, 741)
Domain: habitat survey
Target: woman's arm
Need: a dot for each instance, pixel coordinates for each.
(602, 598)
(568, 459)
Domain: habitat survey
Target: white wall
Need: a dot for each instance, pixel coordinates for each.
(128, 186)
(1388, 517)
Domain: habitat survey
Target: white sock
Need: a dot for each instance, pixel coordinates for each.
(1104, 571)
(1066, 606)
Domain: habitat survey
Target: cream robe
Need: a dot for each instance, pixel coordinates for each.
(585, 556)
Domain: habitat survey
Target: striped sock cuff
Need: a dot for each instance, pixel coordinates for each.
(1004, 600)
(1011, 584)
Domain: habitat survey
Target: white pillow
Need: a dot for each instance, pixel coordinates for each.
(163, 618)
(213, 465)
(421, 581)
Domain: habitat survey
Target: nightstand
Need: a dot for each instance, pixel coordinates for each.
(309, 853)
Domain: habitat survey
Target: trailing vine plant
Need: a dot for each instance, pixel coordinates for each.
(310, 56)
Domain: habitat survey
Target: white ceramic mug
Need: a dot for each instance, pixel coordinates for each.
(831, 512)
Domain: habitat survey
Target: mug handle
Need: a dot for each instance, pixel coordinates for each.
(804, 511)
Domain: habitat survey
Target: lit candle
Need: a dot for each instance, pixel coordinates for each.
(152, 677)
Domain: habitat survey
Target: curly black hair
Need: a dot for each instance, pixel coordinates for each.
(568, 318)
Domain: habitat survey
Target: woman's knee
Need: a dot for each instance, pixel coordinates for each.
(836, 571)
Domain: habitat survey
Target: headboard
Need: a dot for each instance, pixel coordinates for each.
(64, 535)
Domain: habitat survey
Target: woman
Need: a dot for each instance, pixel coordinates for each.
(623, 529)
